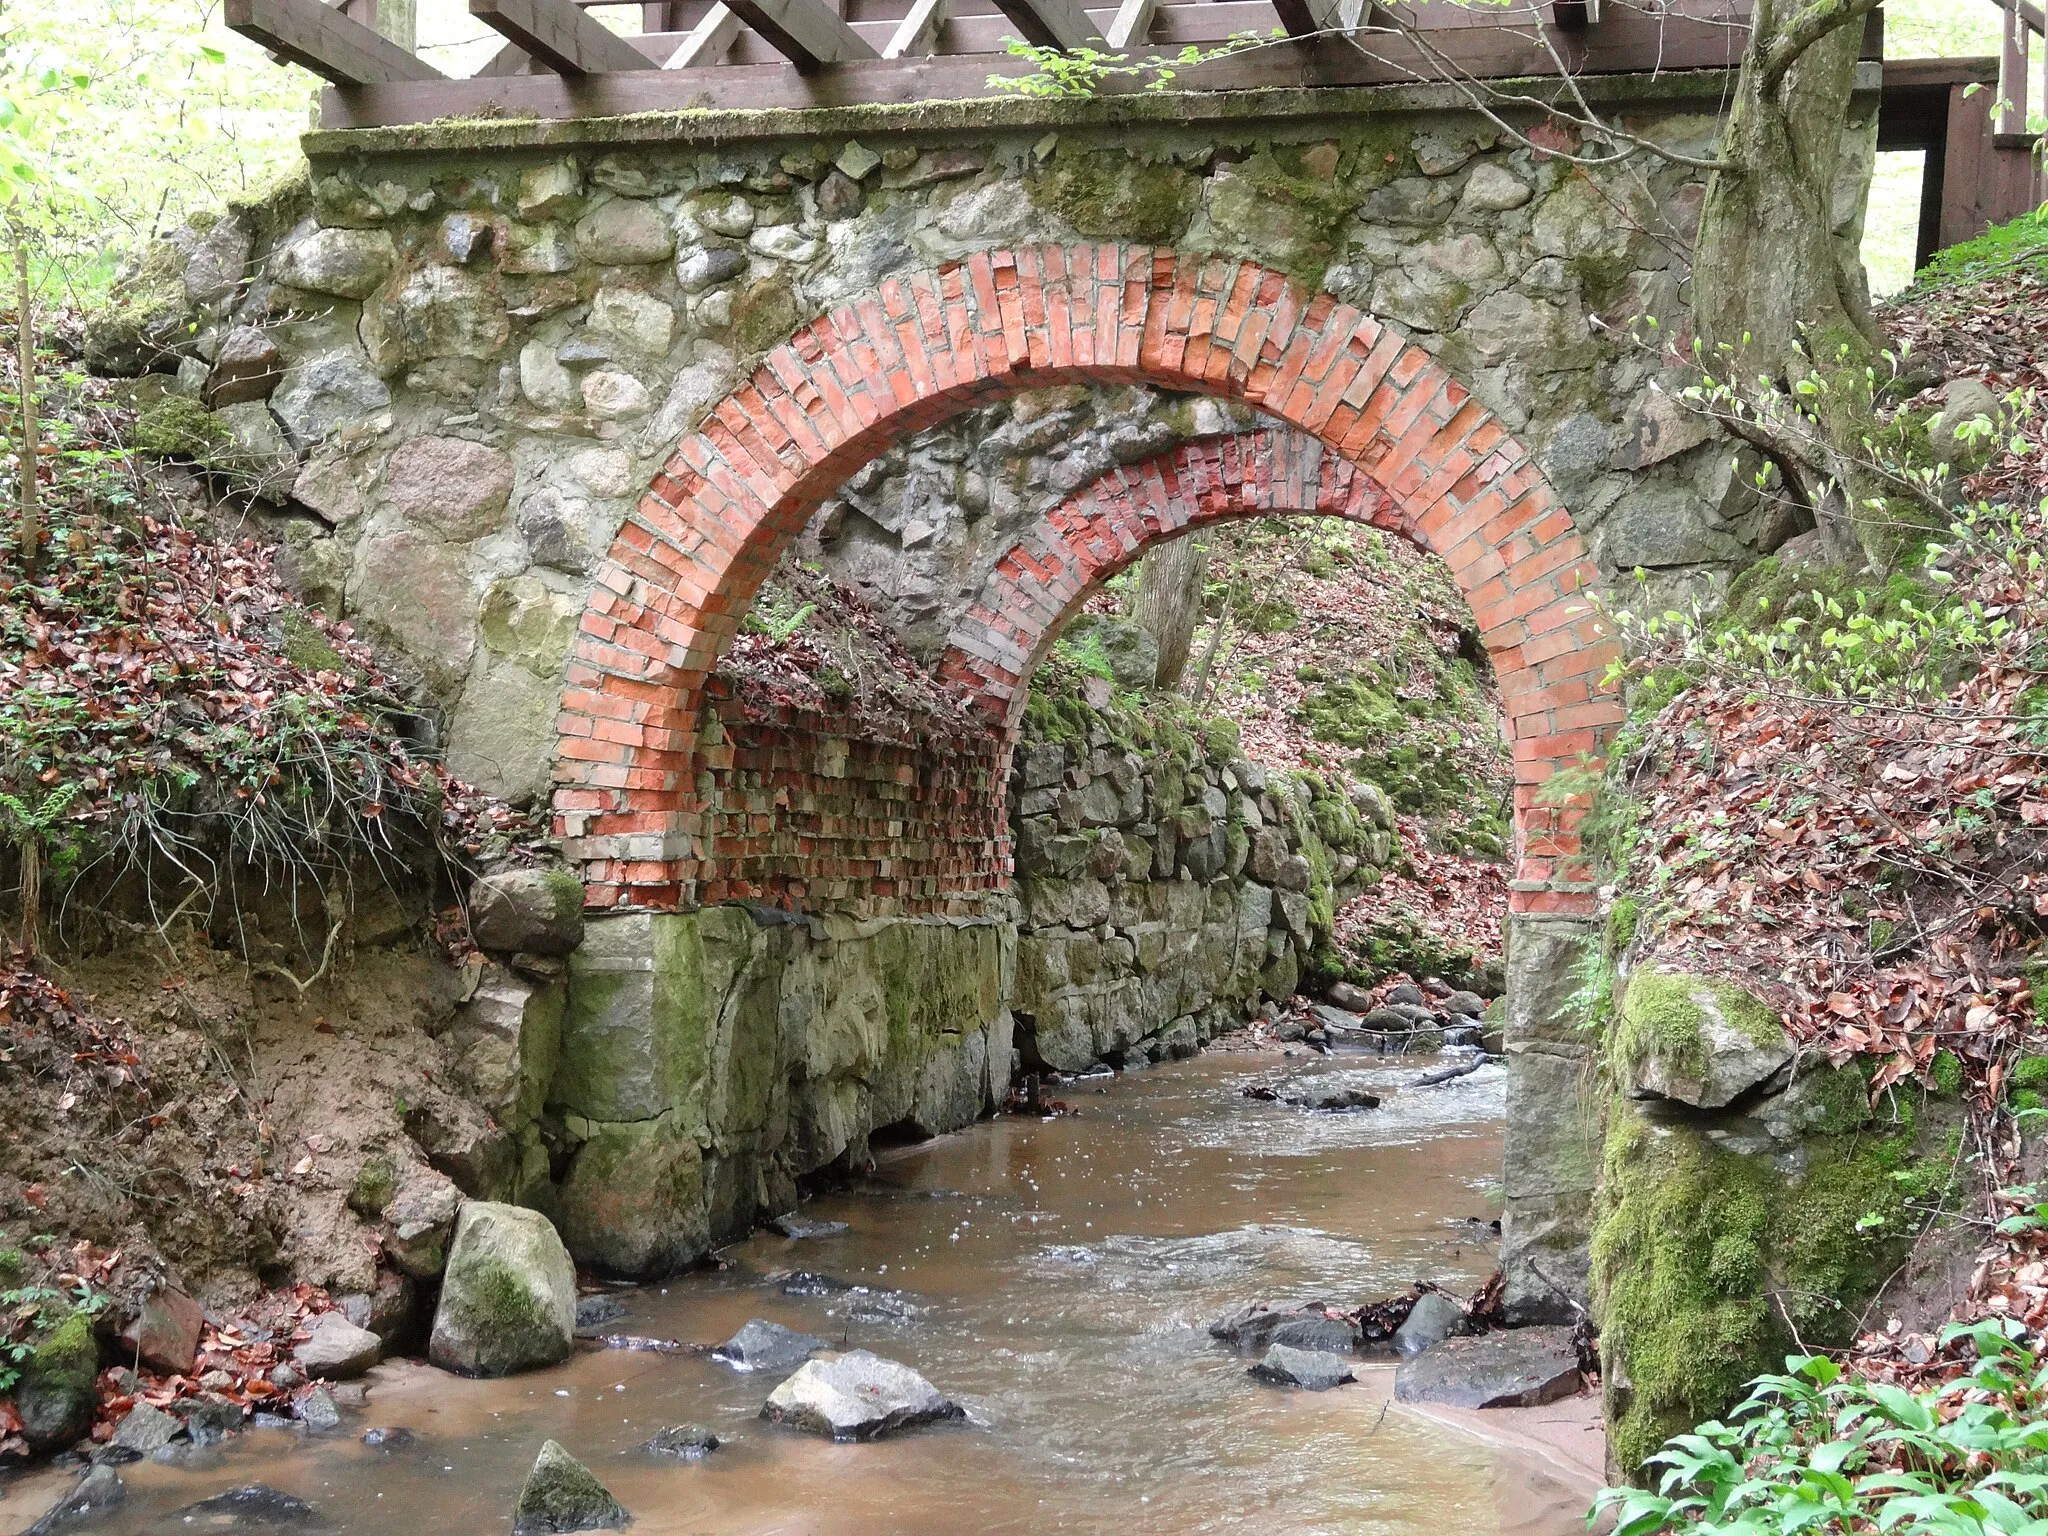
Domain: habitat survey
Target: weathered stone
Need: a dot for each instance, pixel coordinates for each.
(1697, 1039)
(707, 267)
(539, 911)
(766, 1346)
(1326, 1091)
(454, 486)
(419, 1223)
(336, 1349)
(1257, 1326)
(1434, 1318)
(327, 391)
(90, 1502)
(1657, 428)
(839, 196)
(55, 1395)
(547, 191)
(634, 1201)
(685, 1442)
(561, 1494)
(417, 590)
(638, 321)
(254, 459)
(625, 233)
(164, 1334)
(343, 263)
(537, 250)
(611, 393)
(441, 312)
(508, 1302)
(857, 1396)
(318, 1411)
(1512, 1368)
(857, 161)
(1965, 401)
(1312, 1370)
(1494, 188)
(252, 1508)
(247, 367)
(143, 1431)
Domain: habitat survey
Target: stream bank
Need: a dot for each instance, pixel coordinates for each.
(1055, 1276)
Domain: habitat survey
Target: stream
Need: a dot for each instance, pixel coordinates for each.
(1056, 1277)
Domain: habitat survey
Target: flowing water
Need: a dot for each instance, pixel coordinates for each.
(1055, 1277)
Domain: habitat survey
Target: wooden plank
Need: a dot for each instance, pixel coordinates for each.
(560, 36)
(1304, 18)
(709, 41)
(323, 40)
(1053, 23)
(804, 32)
(1967, 169)
(1626, 42)
(1132, 26)
(917, 34)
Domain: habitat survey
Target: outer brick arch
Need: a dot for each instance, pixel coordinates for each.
(689, 559)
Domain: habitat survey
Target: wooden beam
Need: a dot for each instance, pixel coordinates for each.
(321, 39)
(559, 35)
(918, 33)
(1575, 15)
(1133, 25)
(709, 41)
(805, 32)
(1304, 18)
(1052, 23)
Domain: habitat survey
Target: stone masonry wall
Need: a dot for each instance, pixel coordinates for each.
(461, 357)
(1164, 888)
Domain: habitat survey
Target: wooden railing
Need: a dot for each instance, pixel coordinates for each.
(2024, 22)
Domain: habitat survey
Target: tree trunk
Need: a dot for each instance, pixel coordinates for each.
(1171, 581)
(29, 512)
(1767, 268)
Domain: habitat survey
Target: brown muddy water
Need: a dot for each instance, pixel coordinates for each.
(1056, 1277)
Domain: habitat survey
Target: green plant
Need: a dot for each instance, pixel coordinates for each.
(1084, 71)
(27, 828)
(1820, 1453)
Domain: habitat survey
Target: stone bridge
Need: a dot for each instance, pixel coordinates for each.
(547, 400)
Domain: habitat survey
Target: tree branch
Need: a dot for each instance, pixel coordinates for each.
(1821, 19)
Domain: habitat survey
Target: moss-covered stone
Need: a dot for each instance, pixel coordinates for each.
(142, 325)
(376, 1182)
(55, 1395)
(1113, 195)
(1698, 1039)
(508, 1297)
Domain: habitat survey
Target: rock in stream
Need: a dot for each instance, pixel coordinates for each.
(766, 1346)
(857, 1396)
(562, 1494)
(1509, 1368)
(1313, 1370)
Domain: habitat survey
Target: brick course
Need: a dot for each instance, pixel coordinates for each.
(1407, 449)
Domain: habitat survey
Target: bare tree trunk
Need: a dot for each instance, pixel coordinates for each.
(30, 510)
(1171, 581)
(31, 893)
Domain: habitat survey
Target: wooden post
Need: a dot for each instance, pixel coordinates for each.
(396, 21)
(2012, 74)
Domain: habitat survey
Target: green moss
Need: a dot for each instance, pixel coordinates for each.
(1700, 1254)
(376, 1182)
(13, 1265)
(179, 427)
(1112, 195)
(1622, 920)
(70, 1353)
(1663, 1011)
(2029, 1072)
(1947, 1073)
(306, 646)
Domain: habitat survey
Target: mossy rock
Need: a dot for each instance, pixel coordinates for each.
(1701, 1255)
(56, 1395)
(376, 1182)
(145, 322)
(1111, 195)
(1698, 1040)
(179, 427)
(508, 1298)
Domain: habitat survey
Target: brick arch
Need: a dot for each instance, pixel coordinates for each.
(1042, 580)
(736, 492)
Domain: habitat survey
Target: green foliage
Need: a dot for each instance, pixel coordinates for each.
(2022, 243)
(46, 1326)
(1084, 71)
(1817, 1452)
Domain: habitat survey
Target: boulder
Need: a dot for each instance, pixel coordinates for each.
(625, 233)
(562, 1494)
(1434, 1318)
(164, 1332)
(857, 1396)
(765, 1346)
(318, 1411)
(1964, 400)
(1351, 999)
(1406, 994)
(1313, 1370)
(142, 1432)
(247, 367)
(508, 1300)
(535, 911)
(91, 1500)
(457, 488)
(337, 1349)
(1697, 1040)
(56, 1394)
(418, 1224)
(209, 1418)
(1333, 1091)
(254, 1508)
(1465, 1005)
(1509, 1368)
(687, 1442)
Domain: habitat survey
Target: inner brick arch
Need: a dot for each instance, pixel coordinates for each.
(689, 559)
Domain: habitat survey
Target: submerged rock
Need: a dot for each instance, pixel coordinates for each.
(857, 1396)
(562, 1494)
(254, 1508)
(508, 1302)
(1257, 1326)
(1334, 1091)
(1509, 1368)
(804, 1282)
(384, 1438)
(593, 1312)
(794, 1226)
(96, 1496)
(766, 1346)
(1313, 1370)
(688, 1442)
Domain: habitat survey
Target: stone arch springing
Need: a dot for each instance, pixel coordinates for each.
(738, 490)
